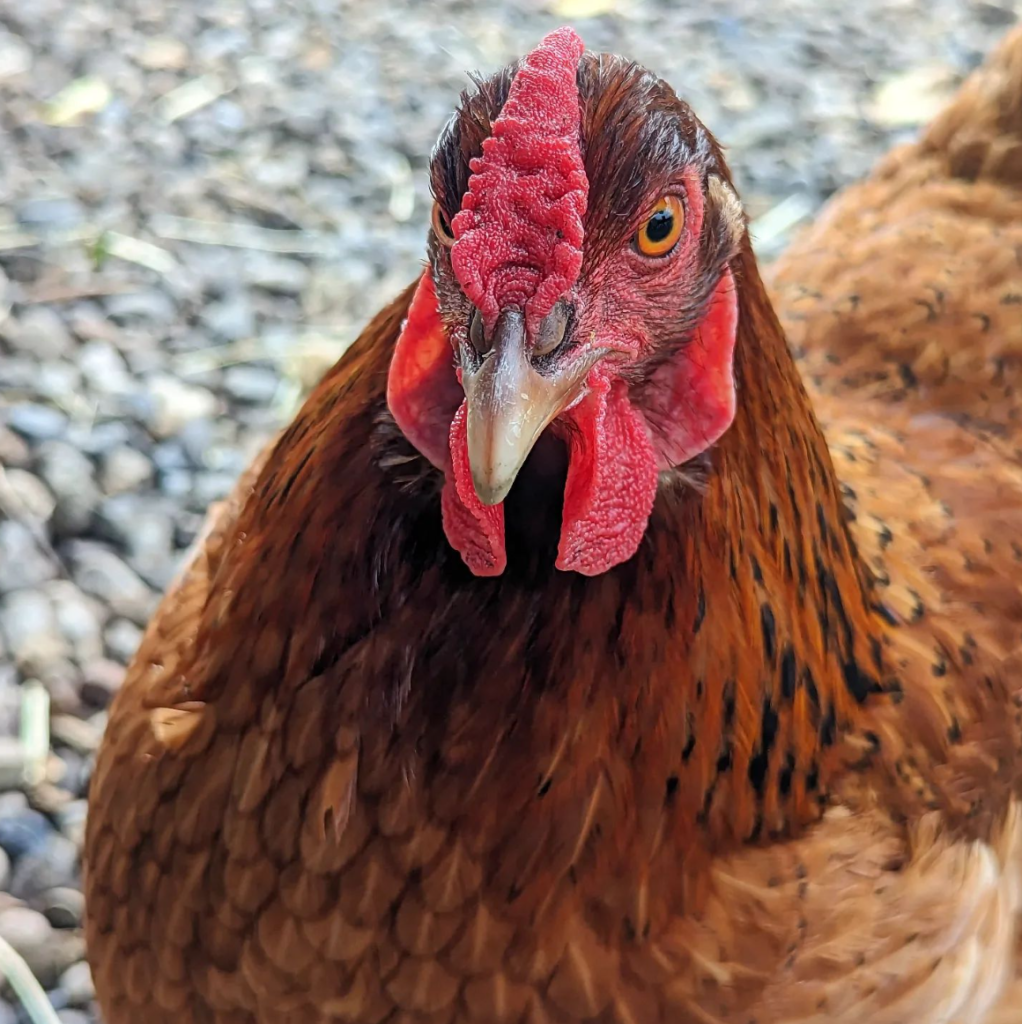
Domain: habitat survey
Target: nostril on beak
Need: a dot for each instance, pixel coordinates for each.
(552, 329)
(477, 335)
(551, 333)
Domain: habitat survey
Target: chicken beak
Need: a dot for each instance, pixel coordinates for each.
(510, 403)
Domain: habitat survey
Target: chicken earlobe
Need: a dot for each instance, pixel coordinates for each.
(690, 401)
(422, 390)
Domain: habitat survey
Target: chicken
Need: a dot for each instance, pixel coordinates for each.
(557, 663)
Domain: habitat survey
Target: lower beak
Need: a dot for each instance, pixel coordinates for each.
(510, 403)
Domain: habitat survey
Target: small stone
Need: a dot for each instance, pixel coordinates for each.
(76, 983)
(58, 213)
(124, 469)
(104, 368)
(37, 422)
(13, 450)
(177, 483)
(30, 934)
(163, 54)
(28, 622)
(52, 864)
(15, 59)
(251, 384)
(276, 274)
(175, 404)
(59, 676)
(31, 494)
(150, 306)
(40, 332)
(69, 475)
(144, 526)
(285, 171)
(63, 906)
(23, 563)
(122, 640)
(79, 619)
(12, 804)
(996, 15)
(231, 318)
(210, 487)
(101, 679)
(99, 572)
(57, 381)
(73, 1017)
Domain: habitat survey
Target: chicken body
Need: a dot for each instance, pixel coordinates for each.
(766, 770)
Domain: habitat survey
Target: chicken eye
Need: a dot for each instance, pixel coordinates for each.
(442, 227)
(662, 229)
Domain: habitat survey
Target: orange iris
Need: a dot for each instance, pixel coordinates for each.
(662, 229)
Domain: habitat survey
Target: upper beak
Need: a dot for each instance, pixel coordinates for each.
(510, 402)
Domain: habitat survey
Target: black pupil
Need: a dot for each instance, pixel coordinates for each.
(659, 226)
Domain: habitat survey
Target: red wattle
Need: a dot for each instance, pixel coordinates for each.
(474, 530)
(612, 481)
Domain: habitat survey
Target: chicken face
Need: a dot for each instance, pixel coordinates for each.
(579, 283)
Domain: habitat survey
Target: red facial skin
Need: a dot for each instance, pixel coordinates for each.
(659, 392)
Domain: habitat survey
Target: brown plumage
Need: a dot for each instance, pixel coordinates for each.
(764, 770)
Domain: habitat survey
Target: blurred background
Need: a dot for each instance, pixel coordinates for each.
(200, 205)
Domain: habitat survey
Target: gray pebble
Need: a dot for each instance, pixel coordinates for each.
(32, 496)
(13, 449)
(124, 469)
(276, 274)
(79, 618)
(39, 332)
(151, 306)
(76, 984)
(73, 1017)
(63, 907)
(122, 639)
(231, 318)
(22, 562)
(37, 422)
(104, 368)
(29, 625)
(31, 935)
(70, 476)
(252, 384)
(101, 573)
(101, 679)
(173, 404)
(56, 213)
(52, 864)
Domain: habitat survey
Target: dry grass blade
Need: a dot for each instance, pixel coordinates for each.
(241, 236)
(25, 986)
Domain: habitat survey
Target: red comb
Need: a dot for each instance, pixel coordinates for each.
(519, 231)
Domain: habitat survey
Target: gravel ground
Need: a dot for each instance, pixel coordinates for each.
(200, 203)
